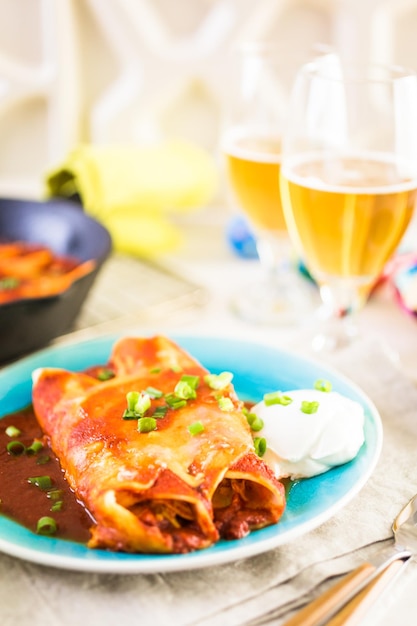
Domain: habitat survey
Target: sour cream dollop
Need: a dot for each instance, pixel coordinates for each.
(302, 444)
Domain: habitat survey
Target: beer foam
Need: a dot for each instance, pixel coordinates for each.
(366, 166)
(252, 146)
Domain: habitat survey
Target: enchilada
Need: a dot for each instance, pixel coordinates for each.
(160, 452)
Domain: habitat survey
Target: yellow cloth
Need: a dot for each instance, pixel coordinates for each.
(133, 189)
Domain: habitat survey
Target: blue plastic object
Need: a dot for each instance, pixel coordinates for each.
(240, 238)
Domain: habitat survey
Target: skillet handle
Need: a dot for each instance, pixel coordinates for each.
(315, 612)
(351, 614)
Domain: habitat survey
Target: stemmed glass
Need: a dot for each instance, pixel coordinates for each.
(348, 180)
(251, 146)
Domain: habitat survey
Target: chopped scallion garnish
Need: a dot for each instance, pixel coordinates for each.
(250, 417)
(9, 282)
(146, 424)
(105, 374)
(160, 411)
(309, 407)
(132, 397)
(137, 404)
(43, 459)
(46, 526)
(255, 422)
(16, 448)
(276, 397)
(193, 381)
(35, 447)
(184, 391)
(57, 506)
(12, 431)
(260, 445)
(143, 403)
(225, 404)
(323, 385)
(43, 482)
(54, 494)
(195, 428)
(154, 393)
(155, 370)
(218, 381)
(174, 402)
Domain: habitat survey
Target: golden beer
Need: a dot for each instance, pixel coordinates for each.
(253, 168)
(347, 216)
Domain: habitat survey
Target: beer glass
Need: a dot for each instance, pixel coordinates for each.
(348, 180)
(251, 147)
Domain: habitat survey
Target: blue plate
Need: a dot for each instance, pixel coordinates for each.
(257, 369)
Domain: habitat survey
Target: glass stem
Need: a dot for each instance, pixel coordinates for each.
(341, 302)
(274, 254)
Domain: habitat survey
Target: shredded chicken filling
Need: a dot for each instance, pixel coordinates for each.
(240, 505)
(166, 514)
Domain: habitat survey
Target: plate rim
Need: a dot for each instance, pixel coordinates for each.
(108, 562)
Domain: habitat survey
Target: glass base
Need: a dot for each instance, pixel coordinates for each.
(334, 333)
(282, 303)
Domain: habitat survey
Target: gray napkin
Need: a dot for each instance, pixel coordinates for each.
(259, 590)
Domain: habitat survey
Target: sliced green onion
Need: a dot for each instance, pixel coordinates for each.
(137, 405)
(276, 397)
(250, 417)
(309, 407)
(174, 402)
(225, 404)
(256, 423)
(57, 506)
(43, 482)
(143, 403)
(46, 526)
(132, 397)
(160, 411)
(54, 494)
(35, 447)
(16, 448)
(323, 385)
(195, 428)
(43, 459)
(146, 424)
(260, 445)
(218, 381)
(9, 282)
(105, 374)
(184, 391)
(12, 431)
(155, 370)
(154, 393)
(193, 381)
(176, 368)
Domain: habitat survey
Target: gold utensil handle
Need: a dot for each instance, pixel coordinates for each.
(351, 614)
(315, 612)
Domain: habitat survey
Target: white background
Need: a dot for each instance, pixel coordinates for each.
(136, 70)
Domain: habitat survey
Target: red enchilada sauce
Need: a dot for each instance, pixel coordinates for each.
(26, 503)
